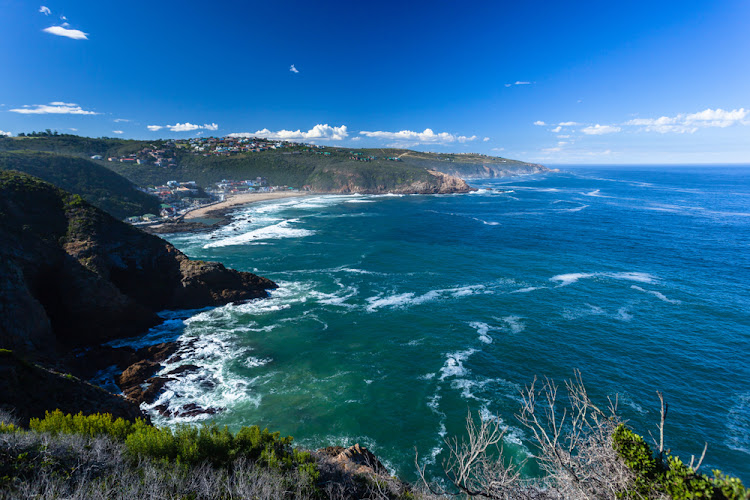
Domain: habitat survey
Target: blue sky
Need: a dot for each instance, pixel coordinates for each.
(552, 82)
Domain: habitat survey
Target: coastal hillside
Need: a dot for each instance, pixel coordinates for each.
(99, 186)
(72, 275)
(317, 168)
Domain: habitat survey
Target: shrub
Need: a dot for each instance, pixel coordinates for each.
(100, 424)
(656, 474)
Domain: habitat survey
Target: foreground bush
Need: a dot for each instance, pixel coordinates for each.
(584, 452)
(97, 452)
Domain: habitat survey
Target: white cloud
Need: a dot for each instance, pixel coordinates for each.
(561, 143)
(319, 131)
(551, 150)
(53, 108)
(600, 129)
(556, 129)
(45, 10)
(62, 31)
(293, 69)
(119, 120)
(539, 123)
(426, 137)
(563, 137)
(356, 138)
(117, 132)
(486, 139)
(508, 84)
(522, 83)
(498, 149)
(183, 127)
(691, 122)
(568, 124)
(74, 129)
(5, 134)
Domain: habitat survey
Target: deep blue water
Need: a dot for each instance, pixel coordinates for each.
(397, 314)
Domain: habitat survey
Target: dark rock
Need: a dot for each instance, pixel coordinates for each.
(136, 374)
(193, 410)
(28, 390)
(159, 352)
(184, 369)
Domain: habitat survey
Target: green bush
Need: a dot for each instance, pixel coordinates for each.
(188, 445)
(57, 422)
(655, 474)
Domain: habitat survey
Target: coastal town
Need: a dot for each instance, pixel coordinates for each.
(179, 197)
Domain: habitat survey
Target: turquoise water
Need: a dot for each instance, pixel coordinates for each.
(398, 314)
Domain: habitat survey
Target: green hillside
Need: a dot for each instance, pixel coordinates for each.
(328, 169)
(99, 186)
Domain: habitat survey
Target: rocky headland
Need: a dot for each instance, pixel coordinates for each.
(73, 277)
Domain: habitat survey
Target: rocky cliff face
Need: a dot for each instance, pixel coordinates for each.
(72, 275)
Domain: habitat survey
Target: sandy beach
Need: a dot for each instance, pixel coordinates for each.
(238, 200)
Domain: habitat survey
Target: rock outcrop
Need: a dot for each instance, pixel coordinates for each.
(72, 275)
(28, 390)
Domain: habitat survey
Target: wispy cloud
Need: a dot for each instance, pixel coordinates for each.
(53, 108)
(45, 10)
(120, 120)
(117, 132)
(568, 124)
(692, 122)
(425, 137)
(184, 127)
(539, 123)
(5, 134)
(320, 131)
(522, 83)
(600, 129)
(556, 129)
(486, 139)
(69, 33)
(293, 69)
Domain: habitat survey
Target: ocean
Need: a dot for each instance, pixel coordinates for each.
(397, 315)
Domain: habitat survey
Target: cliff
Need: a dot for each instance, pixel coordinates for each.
(72, 275)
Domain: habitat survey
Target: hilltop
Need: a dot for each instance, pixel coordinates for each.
(323, 169)
(98, 185)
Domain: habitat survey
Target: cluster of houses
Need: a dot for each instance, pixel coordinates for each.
(152, 155)
(229, 187)
(226, 146)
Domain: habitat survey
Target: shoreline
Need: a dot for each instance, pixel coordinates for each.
(218, 210)
(191, 221)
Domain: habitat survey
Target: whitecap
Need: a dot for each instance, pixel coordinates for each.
(483, 330)
(276, 231)
(454, 364)
(738, 424)
(656, 294)
(402, 300)
(570, 278)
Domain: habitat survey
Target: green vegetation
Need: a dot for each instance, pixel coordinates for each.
(334, 169)
(98, 185)
(186, 444)
(186, 449)
(656, 474)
